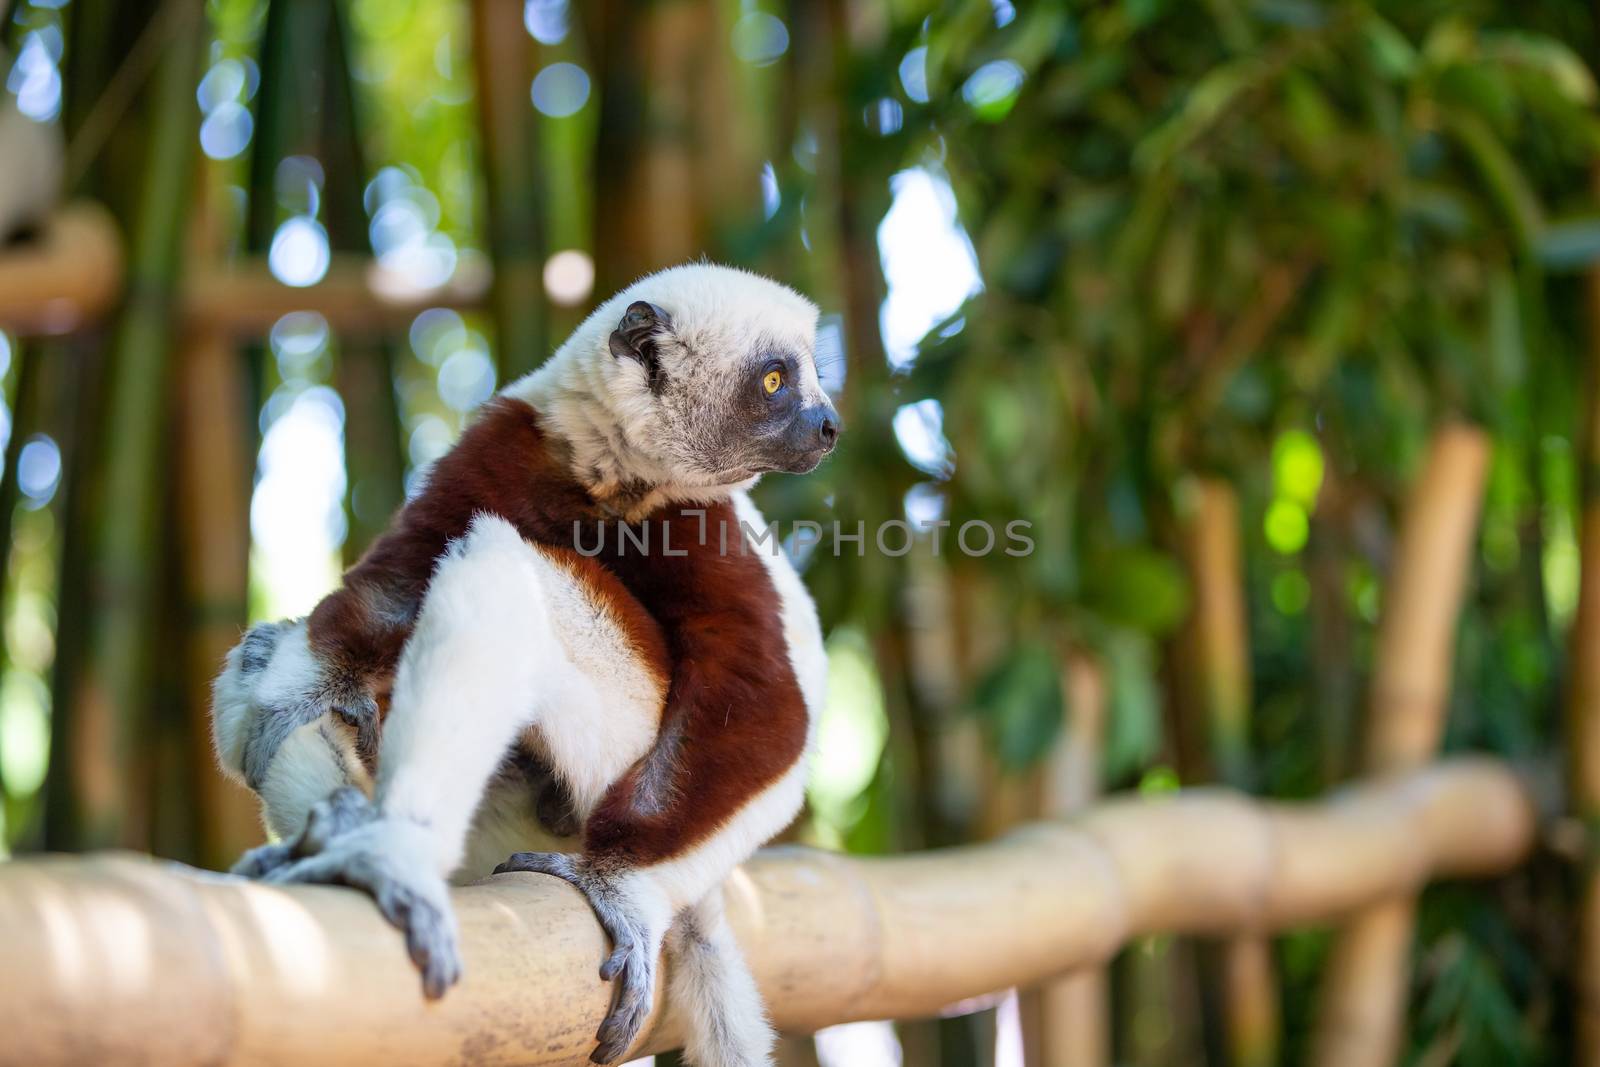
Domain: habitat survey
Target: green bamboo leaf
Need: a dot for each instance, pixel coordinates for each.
(1393, 55)
(1507, 359)
(1210, 99)
(1021, 703)
(1546, 55)
(1138, 588)
(1134, 725)
(1508, 186)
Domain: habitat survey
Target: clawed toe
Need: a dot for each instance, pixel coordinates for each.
(263, 860)
(347, 842)
(621, 1026)
(631, 962)
(343, 811)
(557, 864)
(430, 936)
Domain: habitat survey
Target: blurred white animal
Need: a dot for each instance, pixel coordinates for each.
(30, 161)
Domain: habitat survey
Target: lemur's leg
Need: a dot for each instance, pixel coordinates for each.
(485, 664)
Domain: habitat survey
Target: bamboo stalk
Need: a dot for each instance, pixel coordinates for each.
(24, 416)
(114, 959)
(123, 587)
(1361, 1014)
(1066, 1022)
(215, 463)
(1583, 705)
(366, 369)
(502, 51)
(66, 279)
(1219, 635)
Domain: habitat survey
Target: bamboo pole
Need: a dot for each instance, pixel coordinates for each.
(366, 370)
(116, 959)
(1361, 1014)
(1219, 635)
(503, 55)
(1066, 1022)
(215, 463)
(71, 275)
(1583, 706)
(113, 696)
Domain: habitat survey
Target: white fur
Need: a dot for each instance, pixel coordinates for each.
(602, 406)
(312, 762)
(711, 986)
(484, 663)
(232, 708)
(510, 644)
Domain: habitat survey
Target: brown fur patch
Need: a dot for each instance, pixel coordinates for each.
(734, 720)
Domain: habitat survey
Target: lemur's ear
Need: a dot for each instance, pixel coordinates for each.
(636, 336)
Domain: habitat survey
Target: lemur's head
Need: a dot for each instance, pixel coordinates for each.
(698, 377)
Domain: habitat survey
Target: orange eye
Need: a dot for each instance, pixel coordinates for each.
(772, 382)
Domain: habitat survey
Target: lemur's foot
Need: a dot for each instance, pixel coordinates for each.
(343, 811)
(635, 944)
(349, 842)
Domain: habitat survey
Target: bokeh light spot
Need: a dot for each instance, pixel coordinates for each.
(39, 469)
(760, 38)
(919, 427)
(1286, 526)
(466, 378)
(569, 277)
(299, 254)
(436, 333)
(993, 89)
(1297, 467)
(546, 20)
(928, 261)
(561, 89)
(226, 131)
(914, 74)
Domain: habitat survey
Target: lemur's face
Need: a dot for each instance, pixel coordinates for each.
(729, 396)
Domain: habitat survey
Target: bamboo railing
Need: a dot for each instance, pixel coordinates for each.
(69, 277)
(116, 959)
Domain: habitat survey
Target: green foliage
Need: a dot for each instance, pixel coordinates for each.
(1275, 242)
(1020, 702)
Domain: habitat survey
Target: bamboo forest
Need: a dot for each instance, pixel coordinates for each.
(1208, 570)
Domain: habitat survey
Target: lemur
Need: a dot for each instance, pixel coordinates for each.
(671, 694)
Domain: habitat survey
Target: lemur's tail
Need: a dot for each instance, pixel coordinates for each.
(711, 985)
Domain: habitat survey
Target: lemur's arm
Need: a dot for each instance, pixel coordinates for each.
(735, 720)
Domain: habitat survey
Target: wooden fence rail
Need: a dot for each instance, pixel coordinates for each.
(111, 958)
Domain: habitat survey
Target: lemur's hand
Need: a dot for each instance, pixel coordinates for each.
(349, 842)
(273, 684)
(635, 916)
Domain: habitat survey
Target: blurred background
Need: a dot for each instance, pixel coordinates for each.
(1189, 286)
